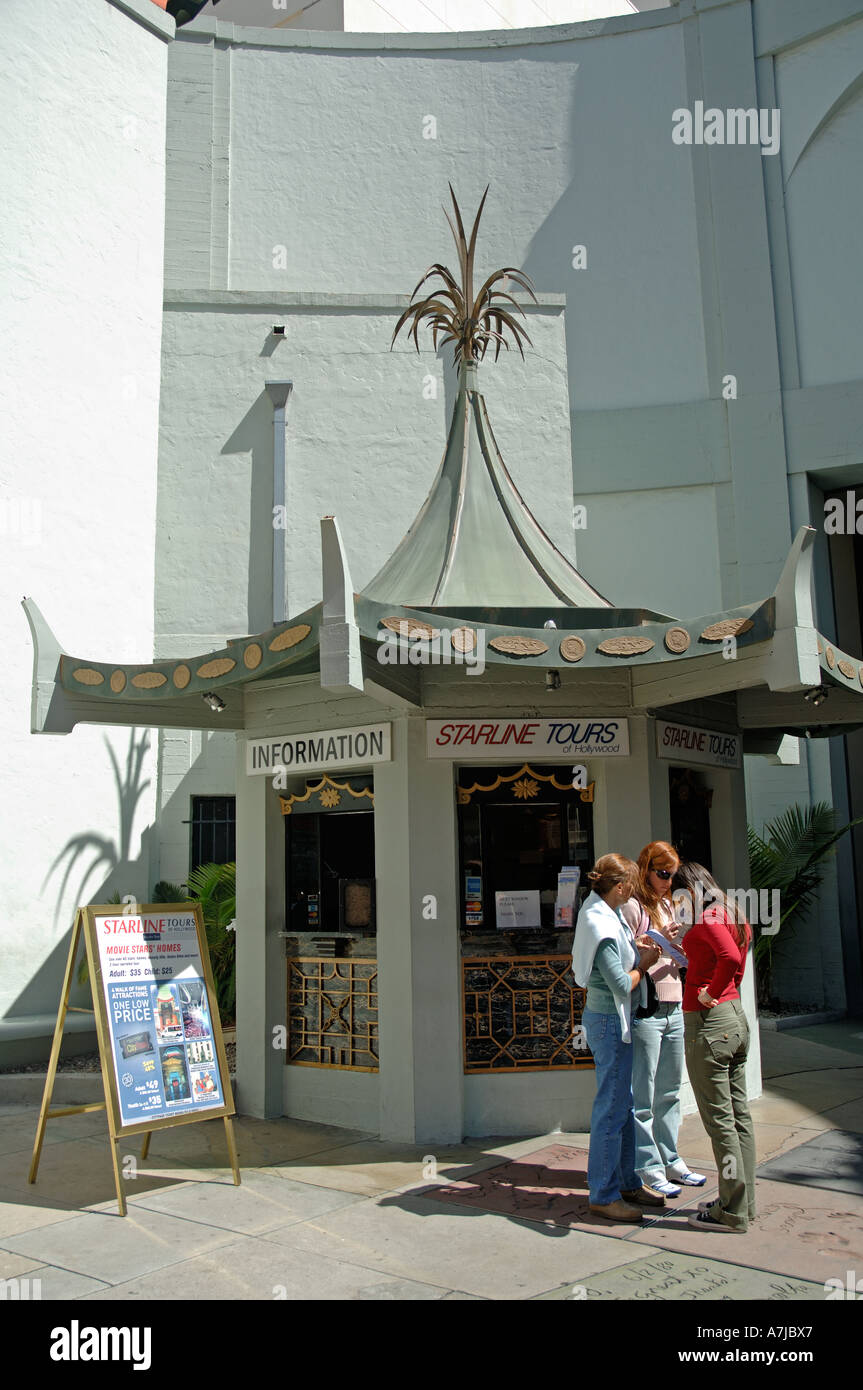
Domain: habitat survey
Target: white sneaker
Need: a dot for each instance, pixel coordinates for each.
(685, 1178)
(665, 1189)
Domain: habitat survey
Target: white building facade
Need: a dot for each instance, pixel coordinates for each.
(694, 383)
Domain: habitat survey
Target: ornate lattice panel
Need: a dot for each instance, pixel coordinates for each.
(333, 1013)
(520, 1013)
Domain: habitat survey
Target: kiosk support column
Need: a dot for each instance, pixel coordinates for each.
(416, 865)
(261, 987)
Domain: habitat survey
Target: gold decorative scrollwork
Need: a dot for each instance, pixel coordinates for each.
(520, 1014)
(328, 789)
(525, 788)
(464, 794)
(333, 1013)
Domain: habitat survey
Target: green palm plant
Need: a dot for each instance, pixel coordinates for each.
(215, 887)
(454, 314)
(790, 857)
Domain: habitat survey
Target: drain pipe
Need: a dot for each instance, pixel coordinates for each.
(279, 392)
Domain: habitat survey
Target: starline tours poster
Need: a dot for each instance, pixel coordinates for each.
(159, 1015)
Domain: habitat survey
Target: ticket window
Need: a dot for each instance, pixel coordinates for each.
(516, 832)
(330, 869)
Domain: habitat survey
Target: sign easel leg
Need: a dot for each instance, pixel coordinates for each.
(232, 1150)
(145, 1148)
(118, 1179)
(55, 1050)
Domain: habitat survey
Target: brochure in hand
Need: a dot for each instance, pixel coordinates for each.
(668, 948)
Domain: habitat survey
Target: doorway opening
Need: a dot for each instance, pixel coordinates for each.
(690, 815)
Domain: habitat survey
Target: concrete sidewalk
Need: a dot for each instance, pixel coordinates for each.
(332, 1213)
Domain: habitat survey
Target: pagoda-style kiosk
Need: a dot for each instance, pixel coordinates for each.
(406, 791)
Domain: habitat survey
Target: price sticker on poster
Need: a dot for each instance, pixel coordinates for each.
(160, 1015)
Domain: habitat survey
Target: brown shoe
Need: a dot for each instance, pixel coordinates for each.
(618, 1211)
(643, 1197)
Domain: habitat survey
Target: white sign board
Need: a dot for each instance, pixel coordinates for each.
(517, 910)
(315, 752)
(682, 744)
(508, 740)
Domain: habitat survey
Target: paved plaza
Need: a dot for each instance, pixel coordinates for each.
(327, 1213)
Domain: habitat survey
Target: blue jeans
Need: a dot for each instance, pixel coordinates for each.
(657, 1074)
(611, 1160)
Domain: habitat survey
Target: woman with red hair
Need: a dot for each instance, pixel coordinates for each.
(657, 1035)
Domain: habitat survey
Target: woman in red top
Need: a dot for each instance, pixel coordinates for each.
(716, 1036)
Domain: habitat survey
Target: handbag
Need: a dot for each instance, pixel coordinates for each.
(649, 1009)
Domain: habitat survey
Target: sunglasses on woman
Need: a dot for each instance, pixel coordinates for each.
(663, 873)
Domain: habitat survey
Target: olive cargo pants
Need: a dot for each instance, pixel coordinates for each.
(716, 1045)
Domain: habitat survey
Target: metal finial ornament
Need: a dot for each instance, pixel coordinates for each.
(454, 315)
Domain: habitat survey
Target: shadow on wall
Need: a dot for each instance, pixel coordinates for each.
(89, 854)
(254, 437)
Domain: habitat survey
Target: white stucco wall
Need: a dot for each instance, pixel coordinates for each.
(82, 127)
(818, 84)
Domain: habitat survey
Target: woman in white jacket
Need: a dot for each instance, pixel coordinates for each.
(611, 967)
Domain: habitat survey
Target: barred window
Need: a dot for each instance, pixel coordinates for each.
(214, 830)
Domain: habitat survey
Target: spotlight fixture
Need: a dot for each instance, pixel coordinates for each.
(552, 680)
(817, 695)
(278, 330)
(215, 702)
(550, 623)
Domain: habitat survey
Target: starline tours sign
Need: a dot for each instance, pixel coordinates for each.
(315, 752)
(708, 747)
(494, 739)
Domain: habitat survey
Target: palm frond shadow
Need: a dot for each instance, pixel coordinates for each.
(109, 856)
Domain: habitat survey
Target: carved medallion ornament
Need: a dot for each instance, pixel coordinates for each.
(149, 680)
(831, 657)
(572, 648)
(182, 676)
(677, 640)
(518, 646)
(412, 628)
(847, 670)
(290, 637)
(219, 666)
(625, 646)
(463, 639)
(252, 656)
(85, 675)
(729, 627)
(118, 681)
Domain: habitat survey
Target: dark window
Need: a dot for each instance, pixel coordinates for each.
(516, 831)
(214, 830)
(330, 866)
